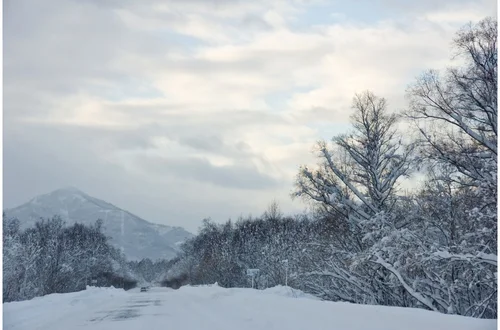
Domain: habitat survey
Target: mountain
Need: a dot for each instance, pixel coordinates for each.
(136, 237)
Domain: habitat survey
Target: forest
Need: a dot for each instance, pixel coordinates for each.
(365, 239)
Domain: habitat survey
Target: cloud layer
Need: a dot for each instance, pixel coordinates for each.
(178, 110)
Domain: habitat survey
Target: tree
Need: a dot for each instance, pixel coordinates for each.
(51, 258)
(12, 253)
(456, 115)
(273, 211)
(356, 184)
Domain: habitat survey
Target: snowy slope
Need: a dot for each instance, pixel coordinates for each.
(215, 308)
(139, 238)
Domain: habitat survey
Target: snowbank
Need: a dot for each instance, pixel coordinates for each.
(214, 308)
(287, 291)
(281, 307)
(29, 314)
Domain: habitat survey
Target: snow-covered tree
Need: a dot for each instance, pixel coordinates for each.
(52, 258)
(456, 115)
(456, 112)
(356, 183)
(12, 259)
(435, 249)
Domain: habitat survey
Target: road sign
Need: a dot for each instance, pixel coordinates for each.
(252, 272)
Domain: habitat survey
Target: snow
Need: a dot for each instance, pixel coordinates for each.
(38, 313)
(213, 307)
(286, 291)
(484, 257)
(162, 229)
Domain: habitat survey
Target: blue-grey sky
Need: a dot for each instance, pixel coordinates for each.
(180, 110)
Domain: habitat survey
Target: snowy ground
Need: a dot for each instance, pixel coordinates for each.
(215, 308)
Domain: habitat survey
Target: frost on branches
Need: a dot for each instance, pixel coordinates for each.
(436, 248)
(52, 258)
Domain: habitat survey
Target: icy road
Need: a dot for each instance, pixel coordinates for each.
(215, 308)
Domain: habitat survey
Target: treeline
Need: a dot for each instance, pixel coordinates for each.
(223, 253)
(148, 271)
(366, 241)
(53, 258)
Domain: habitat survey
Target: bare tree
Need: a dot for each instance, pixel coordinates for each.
(456, 113)
(273, 211)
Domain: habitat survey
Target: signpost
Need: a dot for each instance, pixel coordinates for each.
(285, 261)
(252, 273)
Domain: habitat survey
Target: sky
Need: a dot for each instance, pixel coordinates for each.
(178, 110)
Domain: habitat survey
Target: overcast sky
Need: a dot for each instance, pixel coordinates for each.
(180, 110)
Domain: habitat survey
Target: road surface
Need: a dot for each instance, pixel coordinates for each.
(215, 308)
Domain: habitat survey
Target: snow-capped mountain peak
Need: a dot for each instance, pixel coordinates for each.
(137, 237)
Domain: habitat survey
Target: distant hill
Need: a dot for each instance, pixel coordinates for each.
(137, 237)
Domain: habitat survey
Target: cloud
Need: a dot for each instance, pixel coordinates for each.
(200, 169)
(218, 101)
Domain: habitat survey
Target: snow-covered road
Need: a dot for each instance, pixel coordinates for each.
(215, 308)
